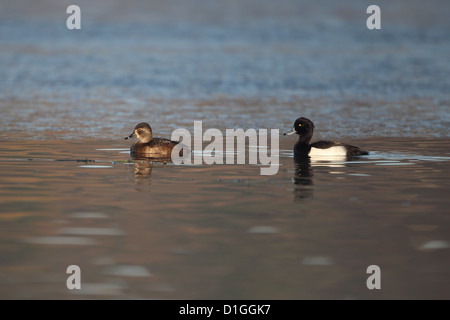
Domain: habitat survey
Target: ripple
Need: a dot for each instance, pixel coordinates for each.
(88, 215)
(317, 261)
(435, 244)
(262, 229)
(62, 241)
(92, 231)
(127, 271)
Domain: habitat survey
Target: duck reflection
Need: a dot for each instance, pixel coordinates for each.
(142, 170)
(143, 167)
(303, 174)
(304, 171)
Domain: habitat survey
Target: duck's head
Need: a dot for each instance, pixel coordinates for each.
(142, 131)
(304, 128)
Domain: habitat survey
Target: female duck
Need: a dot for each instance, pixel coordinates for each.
(147, 146)
(305, 129)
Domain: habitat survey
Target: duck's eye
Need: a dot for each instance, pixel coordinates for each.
(299, 124)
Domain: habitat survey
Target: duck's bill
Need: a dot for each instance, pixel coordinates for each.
(130, 136)
(289, 132)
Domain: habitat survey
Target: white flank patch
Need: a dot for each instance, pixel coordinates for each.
(333, 152)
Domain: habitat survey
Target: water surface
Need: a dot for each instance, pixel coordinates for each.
(154, 230)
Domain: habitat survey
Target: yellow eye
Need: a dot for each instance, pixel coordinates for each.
(299, 124)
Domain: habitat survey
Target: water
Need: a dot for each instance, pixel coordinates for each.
(70, 194)
(142, 230)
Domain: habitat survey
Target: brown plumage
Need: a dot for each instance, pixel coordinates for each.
(149, 147)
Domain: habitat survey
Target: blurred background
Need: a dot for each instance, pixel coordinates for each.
(251, 63)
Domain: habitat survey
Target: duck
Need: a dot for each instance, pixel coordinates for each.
(148, 146)
(321, 149)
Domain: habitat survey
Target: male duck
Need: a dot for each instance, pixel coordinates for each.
(323, 149)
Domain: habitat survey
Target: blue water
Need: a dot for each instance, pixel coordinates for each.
(198, 60)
